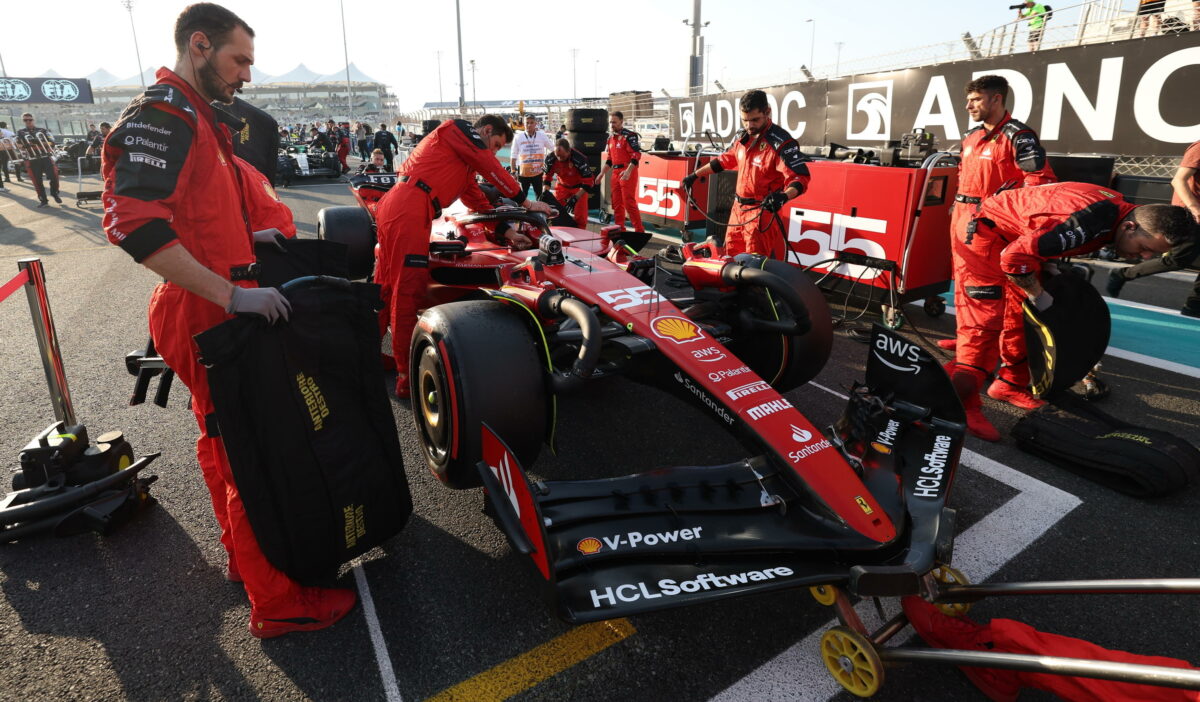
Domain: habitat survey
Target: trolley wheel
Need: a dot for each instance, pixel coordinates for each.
(851, 659)
(951, 576)
(824, 594)
(893, 317)
(935, 306)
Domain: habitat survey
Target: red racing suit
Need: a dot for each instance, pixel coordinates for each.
(1013, 233)
(623, 151)
(170, 179)
(1008, 156)
(765, 163)
(265, 208)
(439, 171)
(574, 175)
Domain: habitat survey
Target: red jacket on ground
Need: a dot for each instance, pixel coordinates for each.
(1051, 221)
(1010, 154)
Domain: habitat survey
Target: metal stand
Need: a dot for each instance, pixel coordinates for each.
(47, 338)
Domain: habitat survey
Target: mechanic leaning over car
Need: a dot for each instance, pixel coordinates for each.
(999, 154)
(771, 171)
(174, 201)
(440, 170)
(623, 151)
(574, 175)
(1014, 232)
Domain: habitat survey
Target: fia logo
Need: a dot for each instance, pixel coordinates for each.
(687, 119)
(60, 90)
(14, 90)
(869, 111)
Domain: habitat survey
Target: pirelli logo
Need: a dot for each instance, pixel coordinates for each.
(138, 157)
(317, 409)
(356, 524)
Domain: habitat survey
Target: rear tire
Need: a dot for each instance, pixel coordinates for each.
(353, 227)
(786, 362)
(475, 362)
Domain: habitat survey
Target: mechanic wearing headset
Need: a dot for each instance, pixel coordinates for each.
(179, 207)
(999, 154)
(439, 171)
(623, 151)
(771, 171)
(574, 174)
(1010, 237)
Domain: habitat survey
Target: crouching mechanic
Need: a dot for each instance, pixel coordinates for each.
(175, 202)
(439, 171)
(1011, 236)
(574, 174)
(771, 171)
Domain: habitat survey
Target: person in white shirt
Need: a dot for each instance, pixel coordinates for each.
(529, 155)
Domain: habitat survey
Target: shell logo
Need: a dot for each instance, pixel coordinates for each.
(589, 546)
(880, 447)
(677, 329)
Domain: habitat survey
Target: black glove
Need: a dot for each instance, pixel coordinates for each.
(688, 180)
(1116, 281)
(775, 201)
(264, 302)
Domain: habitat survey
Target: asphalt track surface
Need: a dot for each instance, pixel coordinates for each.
(146, 614)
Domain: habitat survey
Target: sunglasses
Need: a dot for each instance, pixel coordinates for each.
(27, 120)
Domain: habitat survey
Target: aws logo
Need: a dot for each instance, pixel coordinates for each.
(896, 353)
(869, 110)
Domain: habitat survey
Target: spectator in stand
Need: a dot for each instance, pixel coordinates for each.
(360, 137)
(1036, 14)
(1186, 185)
(97, 145)
(377, 164)
(38, 143)
(1150, 12)
(385, 142)
(7, 152)
(528, 155)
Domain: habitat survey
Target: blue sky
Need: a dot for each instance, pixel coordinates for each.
(521, 50)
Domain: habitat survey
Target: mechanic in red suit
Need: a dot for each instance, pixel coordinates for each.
(574, 174)
(771, 170)
(623, 151)
(175, 202)
(439, 171)
(999, 154)
(1015, 231)
(340, 139)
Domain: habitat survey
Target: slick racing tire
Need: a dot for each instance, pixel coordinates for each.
(351, 226)
(588, 143)
(587, 119)
(471, 363)
(331, 162)
(786, 362)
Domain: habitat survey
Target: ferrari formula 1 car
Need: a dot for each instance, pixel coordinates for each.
(297, 161)
(862, 506)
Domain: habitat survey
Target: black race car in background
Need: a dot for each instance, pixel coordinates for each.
(297, 161)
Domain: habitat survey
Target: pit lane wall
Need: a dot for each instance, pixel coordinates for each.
(1133, 97)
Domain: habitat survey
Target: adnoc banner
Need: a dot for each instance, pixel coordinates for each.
(26, 90)
(1134, 97)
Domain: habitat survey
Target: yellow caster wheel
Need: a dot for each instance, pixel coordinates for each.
(951, 576)
(824, 594)
(852, 661)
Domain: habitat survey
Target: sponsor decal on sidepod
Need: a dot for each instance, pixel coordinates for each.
(704, 397)
(634, 539)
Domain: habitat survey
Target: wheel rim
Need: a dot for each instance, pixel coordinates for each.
(852, 661)
(951, 576)
(433, 416)
(824, 594)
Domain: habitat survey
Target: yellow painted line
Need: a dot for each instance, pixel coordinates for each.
(516, 675)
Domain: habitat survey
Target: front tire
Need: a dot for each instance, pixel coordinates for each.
(475, 362)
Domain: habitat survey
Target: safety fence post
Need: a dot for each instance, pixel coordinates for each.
(47, 338)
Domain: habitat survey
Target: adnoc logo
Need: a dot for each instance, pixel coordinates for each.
(874, 101)
(14, 90)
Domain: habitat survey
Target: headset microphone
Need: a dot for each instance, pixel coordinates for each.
(205, 47)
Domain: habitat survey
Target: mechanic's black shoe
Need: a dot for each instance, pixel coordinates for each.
(44, 203)
(57, 199)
